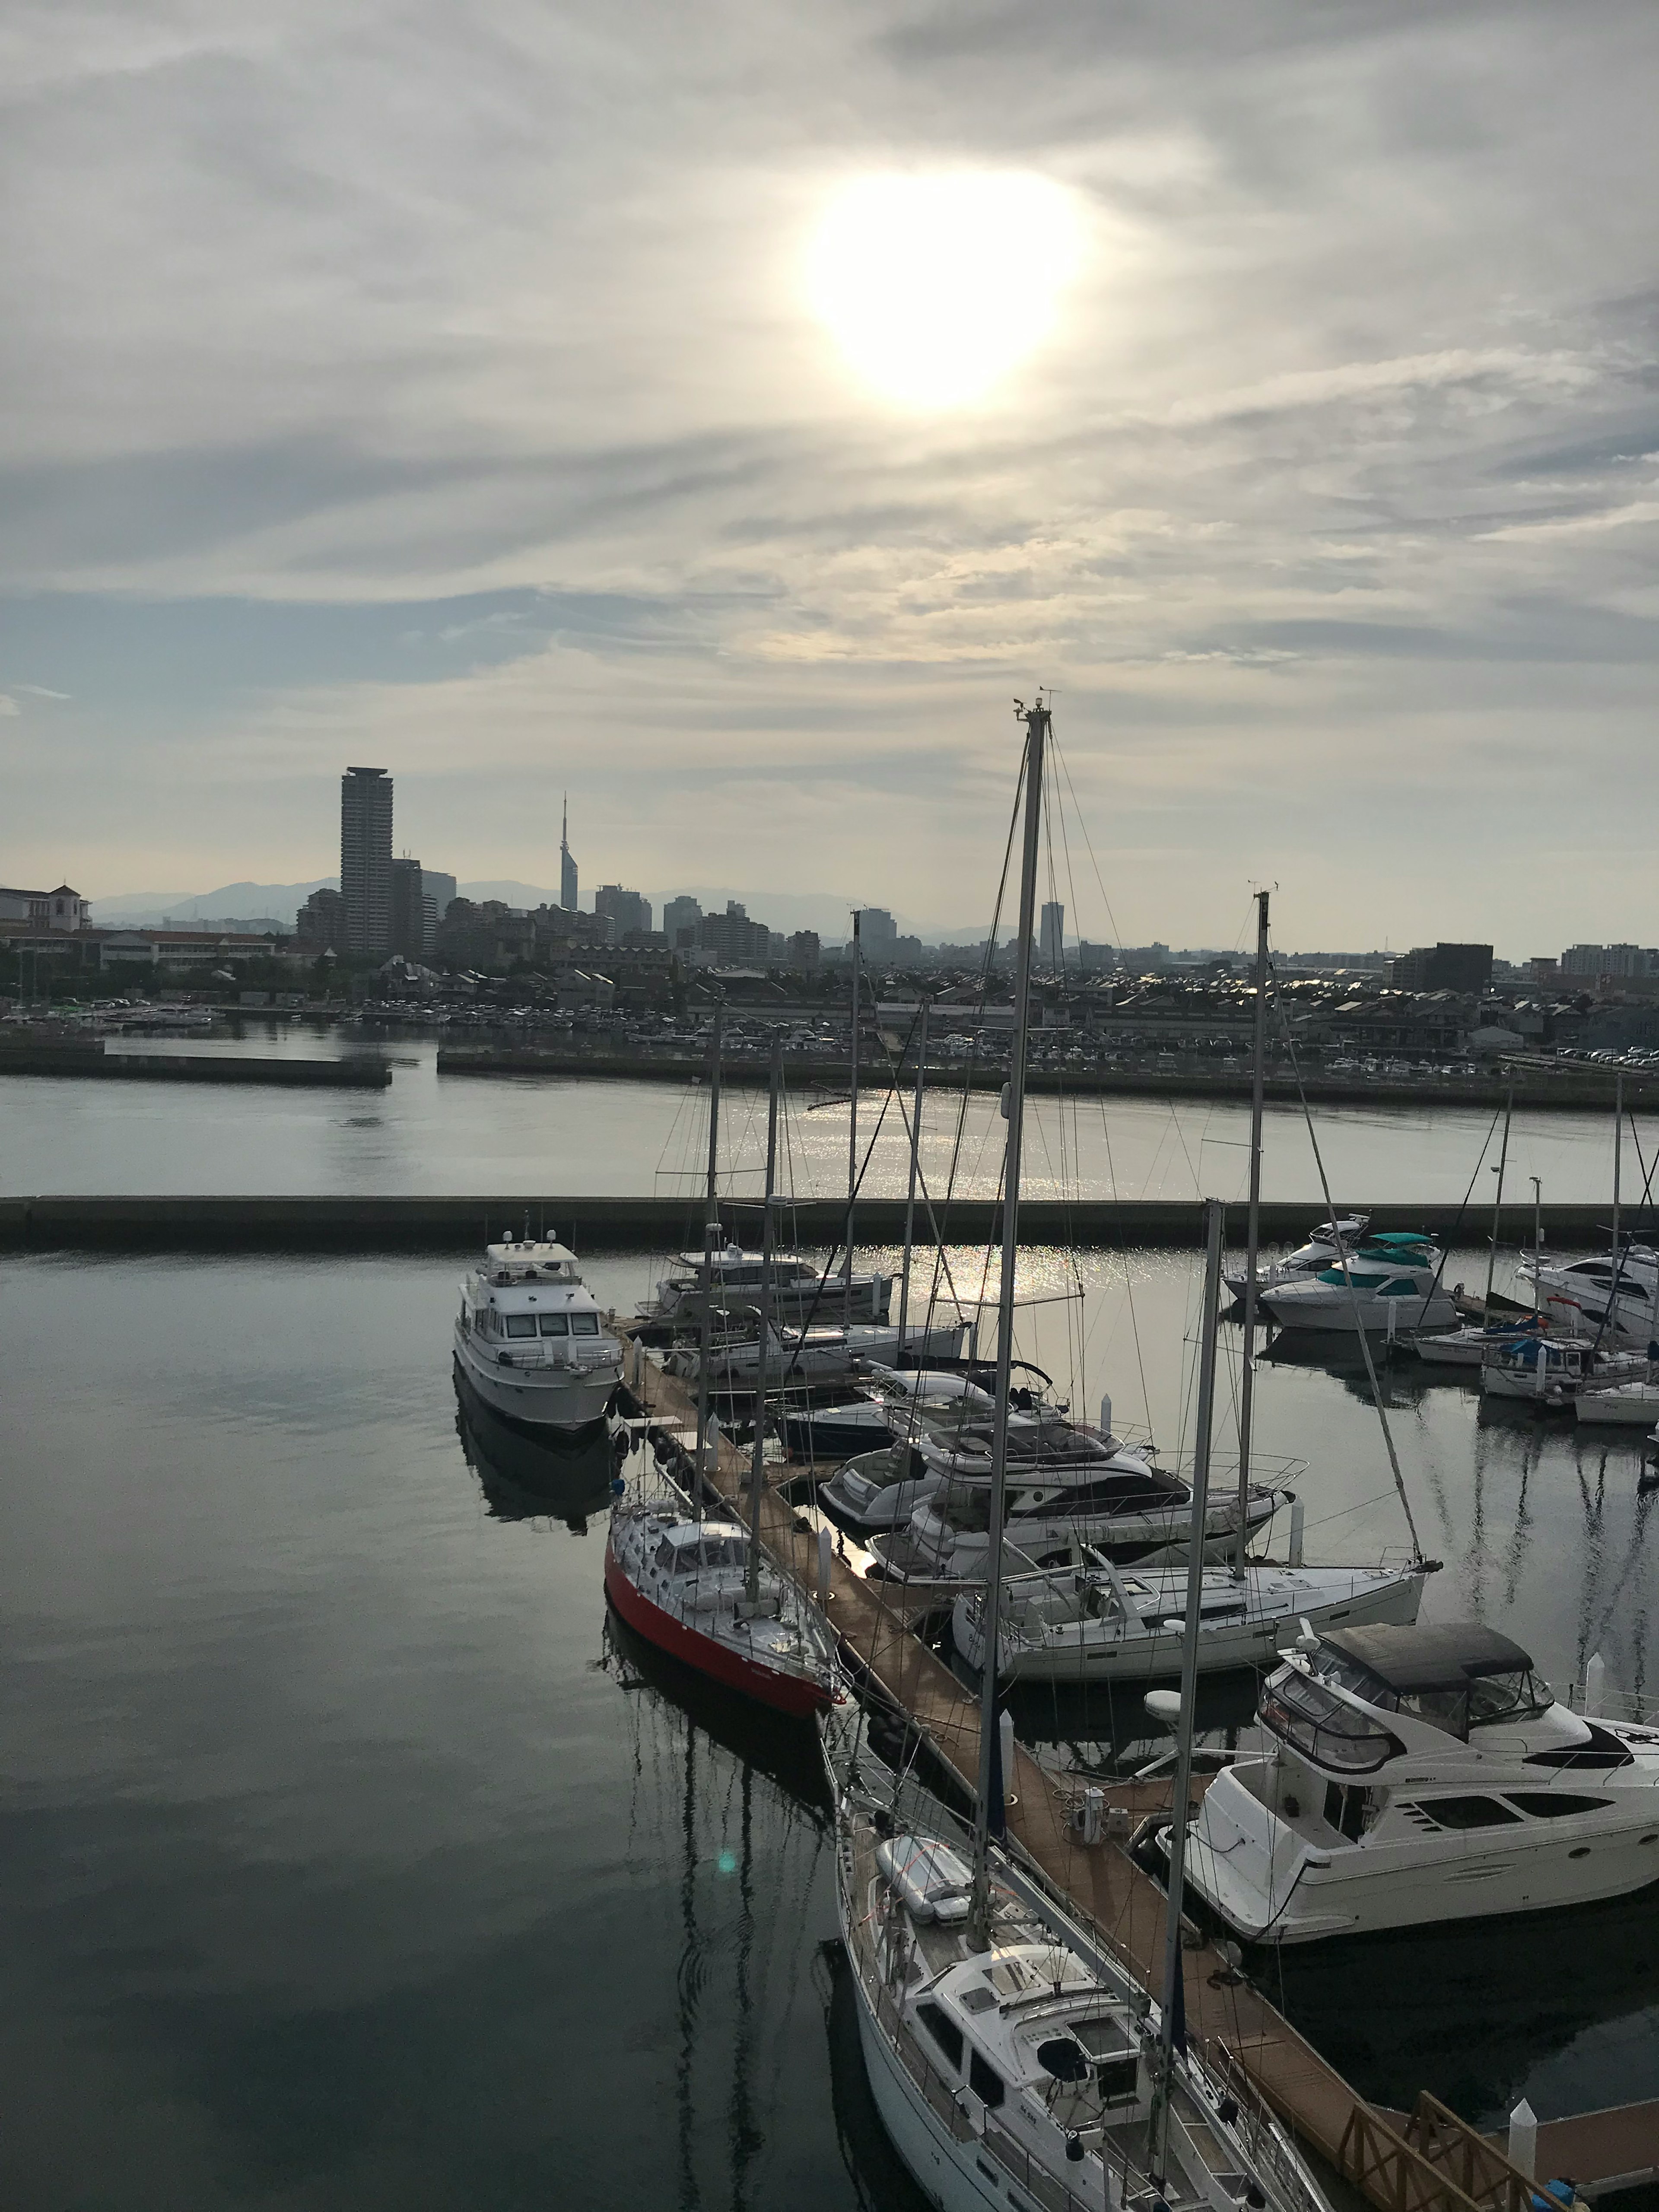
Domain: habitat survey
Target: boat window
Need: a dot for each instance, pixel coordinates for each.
(1469, 1812)
(1305, 1714)
(1345, 1810)
(1507, 1697)
(1360, 1281)
(1603, 1749)
(665, 1557)
(521, 1324)
(946, 2032)
(1554, 1804)
(554, 1325)
(584, 1324)
(723, 1551)
(985, 2081)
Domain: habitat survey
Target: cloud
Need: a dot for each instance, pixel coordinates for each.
(1576, 525)
(395, 378)
(8, 705)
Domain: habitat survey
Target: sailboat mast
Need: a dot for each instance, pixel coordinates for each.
(1036, 719)
(1173, 2006)
(853, 1128)
(1618, 1162)
(1537, 1243)
(757, 1464)
(1498, 1203)
(1252, 1235)
(910, 1200)
(711, 1230)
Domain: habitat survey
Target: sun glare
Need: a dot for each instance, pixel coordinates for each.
(935, 287)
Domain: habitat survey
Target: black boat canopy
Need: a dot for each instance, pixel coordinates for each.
(1447, 1656)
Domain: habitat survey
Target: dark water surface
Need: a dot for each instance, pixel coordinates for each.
(351, 1860)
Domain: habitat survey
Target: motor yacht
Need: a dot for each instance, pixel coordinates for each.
(1308, 1259)
(1103, 1623)
(953, 1440)
(799, 1290)
(1127, 1511)
(531, 1339)
(682, 1584)
(805, 1356)
(1388, 1289)
(1421, 1774)
(1583, 1293)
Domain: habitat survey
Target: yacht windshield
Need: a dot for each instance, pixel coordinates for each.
(1456, 1708)
(1301, 1710)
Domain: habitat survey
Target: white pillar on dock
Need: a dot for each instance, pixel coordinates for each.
(1523, 2138)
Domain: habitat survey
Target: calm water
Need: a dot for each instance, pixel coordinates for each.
(469, 1134)
(350, 1859)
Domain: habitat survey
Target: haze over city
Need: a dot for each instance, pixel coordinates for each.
(1281, 393)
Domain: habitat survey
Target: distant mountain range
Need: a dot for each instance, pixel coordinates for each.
(788, 911)
(827, 912)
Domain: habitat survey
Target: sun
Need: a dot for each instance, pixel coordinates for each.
(934, 287)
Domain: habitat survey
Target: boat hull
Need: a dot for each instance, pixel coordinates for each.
(1458, 1883)
(767, 1685)
(1636, 1406)
(1334, 1313)
(569, 1403)
(1246, 1643)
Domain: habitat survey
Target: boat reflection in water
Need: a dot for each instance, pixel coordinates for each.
(526, 1478)
(733, 1799)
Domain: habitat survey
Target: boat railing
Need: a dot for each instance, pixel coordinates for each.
(1640, 1711)
(606, 1353)
(1261, 2132)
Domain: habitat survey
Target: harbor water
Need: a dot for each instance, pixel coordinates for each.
(355, 1858)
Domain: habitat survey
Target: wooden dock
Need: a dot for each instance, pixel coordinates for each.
(1433, 2163)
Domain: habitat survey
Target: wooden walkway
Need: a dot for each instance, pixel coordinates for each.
(1435, 2164)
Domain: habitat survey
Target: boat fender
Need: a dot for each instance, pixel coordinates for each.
(1073, 2147)
(618, 1487)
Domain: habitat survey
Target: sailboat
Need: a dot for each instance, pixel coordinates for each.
(1013, 2057)
(1101, 1622)
(698, 1586)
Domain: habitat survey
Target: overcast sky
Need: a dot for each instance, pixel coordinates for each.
(444, 388)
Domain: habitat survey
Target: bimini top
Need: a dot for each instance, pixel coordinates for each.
(1445, 1658)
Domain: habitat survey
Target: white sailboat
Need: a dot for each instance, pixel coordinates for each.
(1012, 2059)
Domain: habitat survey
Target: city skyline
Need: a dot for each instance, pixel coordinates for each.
(1320, 496)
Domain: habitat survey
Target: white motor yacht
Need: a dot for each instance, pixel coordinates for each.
(1415, 1775)
(531, 1341)
(1102, 1623)
(1377, 1291)
(1307, 1260)
(820, 1354)
(939, 1443)
(1132, 1511)
(797, 1289)
(1580, 1293)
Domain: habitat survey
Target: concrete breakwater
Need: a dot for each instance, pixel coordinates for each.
(1577, 1089)
(351, 1073)
(325, 1223)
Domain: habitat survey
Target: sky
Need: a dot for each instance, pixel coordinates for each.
(547, 397)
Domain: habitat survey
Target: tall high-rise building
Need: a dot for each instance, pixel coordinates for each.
(679, 914)
(566, 863)
(413, 911)
(626, 909)
(878, 932)
(439, 888)
(1052, 942)
(365, 859)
